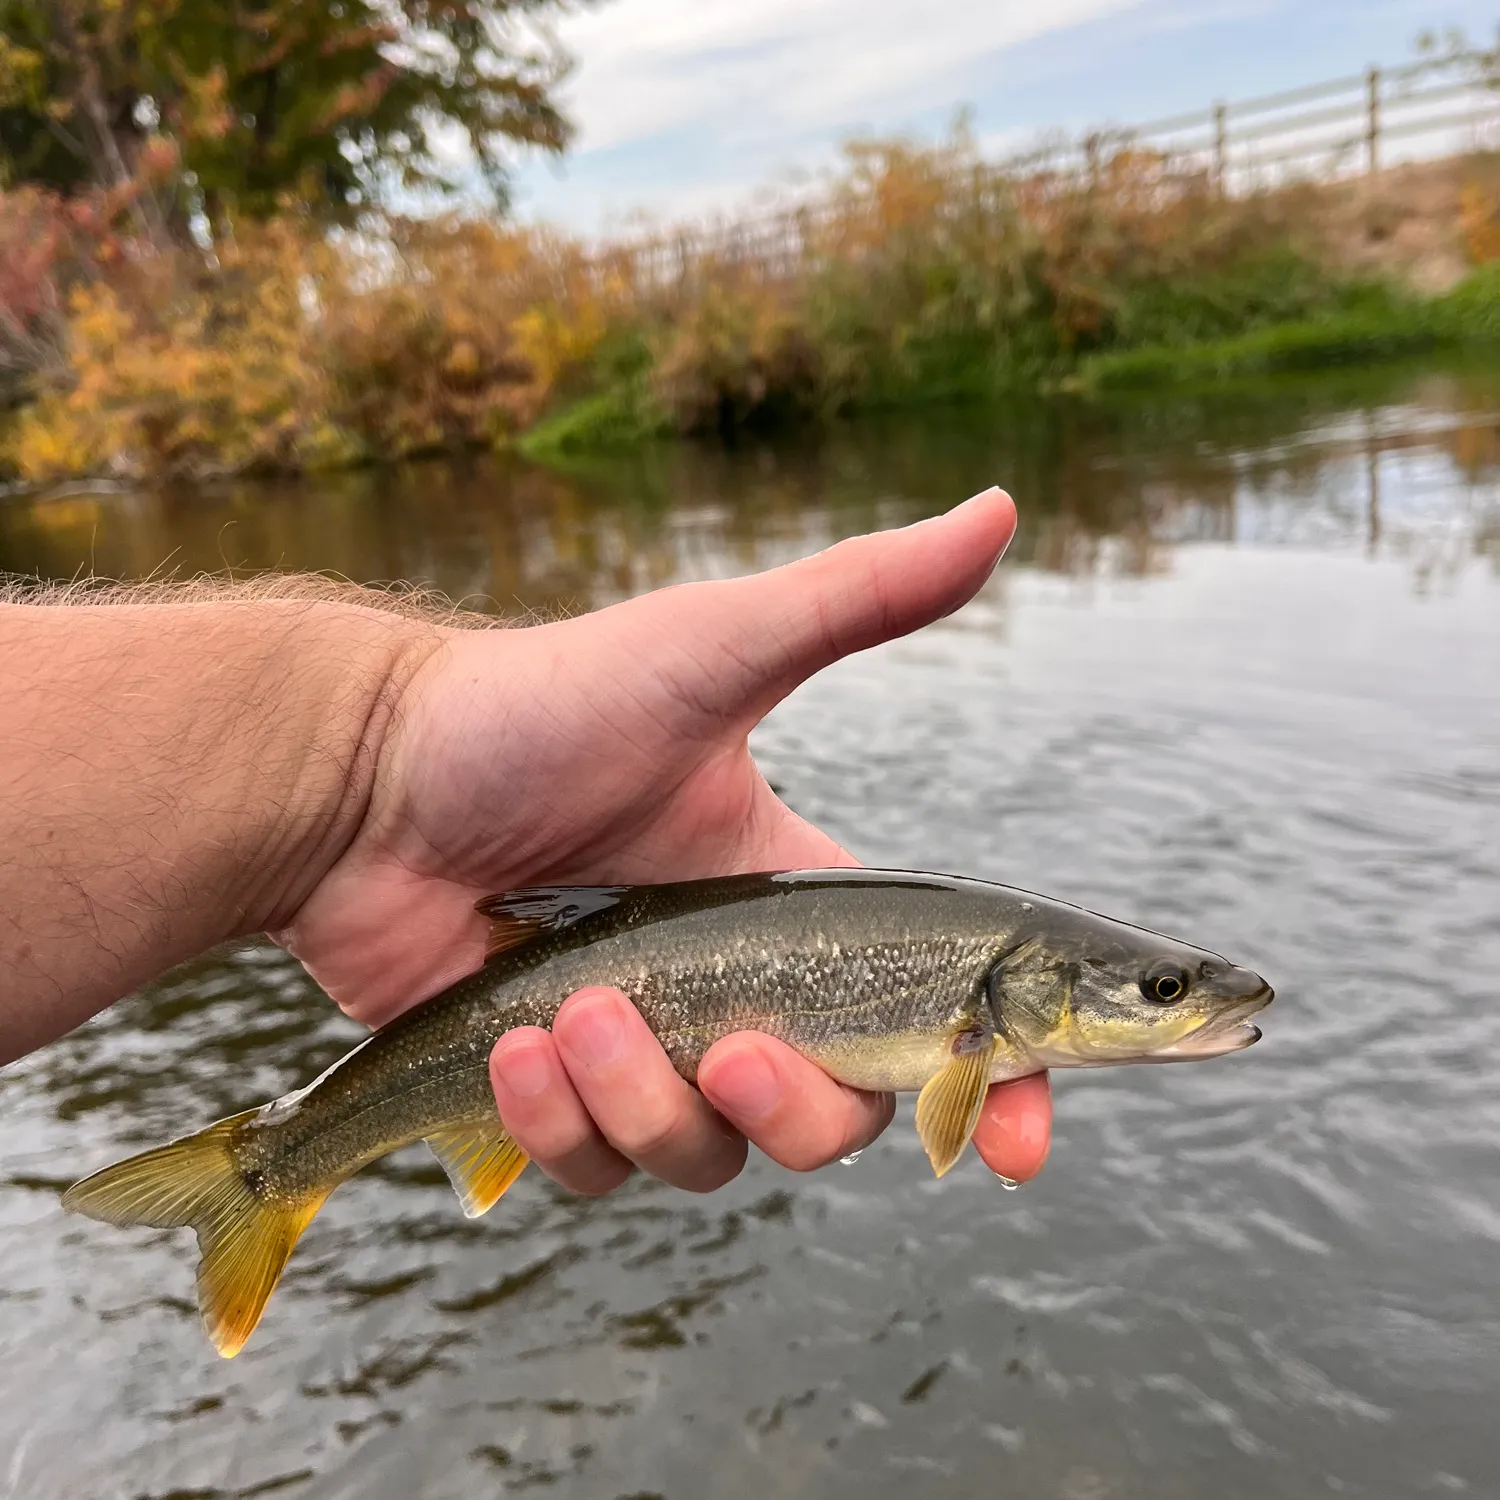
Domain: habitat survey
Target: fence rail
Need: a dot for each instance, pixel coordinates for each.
(1242, 145)
(1356, 115)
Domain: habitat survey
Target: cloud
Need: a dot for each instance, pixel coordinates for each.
(754, 70)
(685, 107)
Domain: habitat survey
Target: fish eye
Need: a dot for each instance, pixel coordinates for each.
(1164, 983)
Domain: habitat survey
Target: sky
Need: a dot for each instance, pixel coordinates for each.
(690, 107)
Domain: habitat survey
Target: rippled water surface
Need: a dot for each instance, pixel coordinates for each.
(1239, 679)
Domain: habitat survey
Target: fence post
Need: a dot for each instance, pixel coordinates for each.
(1372, 129)
(1221, 147)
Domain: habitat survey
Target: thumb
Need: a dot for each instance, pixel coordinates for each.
(753, 640)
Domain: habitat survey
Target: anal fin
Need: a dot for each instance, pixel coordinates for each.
(949, 1104)
(481, 1161)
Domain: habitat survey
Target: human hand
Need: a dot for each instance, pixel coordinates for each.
(612, 748)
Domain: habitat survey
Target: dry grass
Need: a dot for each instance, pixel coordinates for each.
(1425, 224)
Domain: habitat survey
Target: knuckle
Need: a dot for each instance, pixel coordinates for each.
(715, 1170)
(806, 1155)
(591, 1172)
(596, 1187)
(556, 1131)
(800, 1163)
(871, 1118)
(657, 1134)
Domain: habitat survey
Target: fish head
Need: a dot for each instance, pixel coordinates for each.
(1097, 992)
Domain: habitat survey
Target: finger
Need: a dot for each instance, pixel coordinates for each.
(542, 1111)
(746, 643)
(787, 1105)
(1014, 1132)
(642, 1107)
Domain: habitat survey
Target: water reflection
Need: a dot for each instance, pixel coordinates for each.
(1105, 490)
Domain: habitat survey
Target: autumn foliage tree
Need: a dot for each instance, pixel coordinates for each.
(330, 103)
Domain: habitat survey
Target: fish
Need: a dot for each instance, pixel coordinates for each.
(889, 980)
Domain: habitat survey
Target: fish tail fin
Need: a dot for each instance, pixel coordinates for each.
(243, 1239)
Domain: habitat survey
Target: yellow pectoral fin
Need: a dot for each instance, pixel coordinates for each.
(481, 1161)
(948, 1106)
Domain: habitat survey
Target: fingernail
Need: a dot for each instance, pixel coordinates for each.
(523, 1070)
(596, 1032)
(1031, 1133)
(1024, 1141)
(746, 1086)
(1024, 1129)
(994, 489)
(1033, 1129)
(944, 515)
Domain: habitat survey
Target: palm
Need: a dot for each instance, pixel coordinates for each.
(608, 748)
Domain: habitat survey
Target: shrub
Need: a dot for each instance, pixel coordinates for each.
(287, 350)
(1479, 219)
(918, 272)
(736, 355)
(186, 366)
(48, 246)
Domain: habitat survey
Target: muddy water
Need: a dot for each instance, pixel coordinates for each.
(1239, 679)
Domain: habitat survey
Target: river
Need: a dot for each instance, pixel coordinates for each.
(1238, 679)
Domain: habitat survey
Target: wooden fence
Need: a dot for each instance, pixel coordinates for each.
(1440, 104)
(1434, 107)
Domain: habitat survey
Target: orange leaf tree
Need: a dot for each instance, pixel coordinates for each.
(332, 102)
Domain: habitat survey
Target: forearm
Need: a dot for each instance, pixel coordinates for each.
(172, 775)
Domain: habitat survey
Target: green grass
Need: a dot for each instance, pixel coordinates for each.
(1373, 330)
(1470, 313)
(1311, 343)
(621, 416)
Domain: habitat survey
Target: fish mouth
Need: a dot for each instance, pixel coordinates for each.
(1229, 1031)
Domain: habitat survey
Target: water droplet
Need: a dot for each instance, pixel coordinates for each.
(1008, 1183)
(1027, 906)
(853, 1156)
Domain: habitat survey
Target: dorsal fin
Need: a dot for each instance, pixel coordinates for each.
(516, 917)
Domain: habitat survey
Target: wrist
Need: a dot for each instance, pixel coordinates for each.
(345, 676)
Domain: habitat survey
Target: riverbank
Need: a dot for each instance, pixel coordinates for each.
(924, 275)
(1386, 327)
